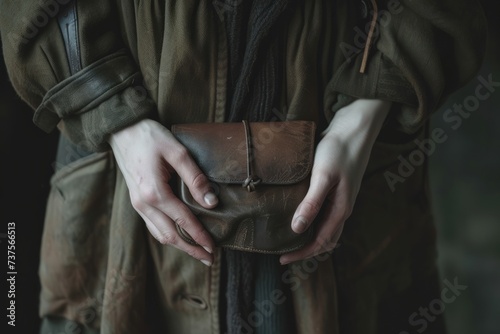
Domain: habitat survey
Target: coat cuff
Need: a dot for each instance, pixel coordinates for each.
(381, 80)
(99, 100)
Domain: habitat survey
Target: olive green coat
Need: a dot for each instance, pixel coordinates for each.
(95, 262)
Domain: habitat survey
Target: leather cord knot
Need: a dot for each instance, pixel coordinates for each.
(252, 180)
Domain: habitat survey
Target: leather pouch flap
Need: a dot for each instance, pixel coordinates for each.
(282, 152)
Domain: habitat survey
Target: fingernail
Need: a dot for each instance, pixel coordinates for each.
(206, 262)
(208, 249)
(284, 262)
(299, 224)
(211, 199)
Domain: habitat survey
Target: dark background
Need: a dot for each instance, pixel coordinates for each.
(465, 184)
(26, 156)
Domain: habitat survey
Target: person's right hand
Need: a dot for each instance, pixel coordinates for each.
(148, 155)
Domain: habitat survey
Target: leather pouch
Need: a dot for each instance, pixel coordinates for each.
(260, 172)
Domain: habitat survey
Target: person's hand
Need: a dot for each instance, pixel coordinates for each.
(148, 155)
(339, 164)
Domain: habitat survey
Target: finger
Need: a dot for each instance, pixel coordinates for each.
(317, 247)
(162, 229)
(311, 205)
(330, 228)
(181, 215)
(197, 183)
(160, 196)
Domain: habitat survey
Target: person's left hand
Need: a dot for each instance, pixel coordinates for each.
(340, 161)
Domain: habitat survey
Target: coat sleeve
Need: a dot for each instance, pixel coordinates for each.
(423, 51)
(104, 96)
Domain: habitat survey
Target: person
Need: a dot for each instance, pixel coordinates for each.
(113, 76)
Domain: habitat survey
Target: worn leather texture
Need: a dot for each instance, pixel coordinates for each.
(281, 157)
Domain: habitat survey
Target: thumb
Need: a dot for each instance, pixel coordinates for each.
(310, 207)
(197, 183)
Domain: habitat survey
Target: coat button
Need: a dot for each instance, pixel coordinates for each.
(194, 301)
(364, 9)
